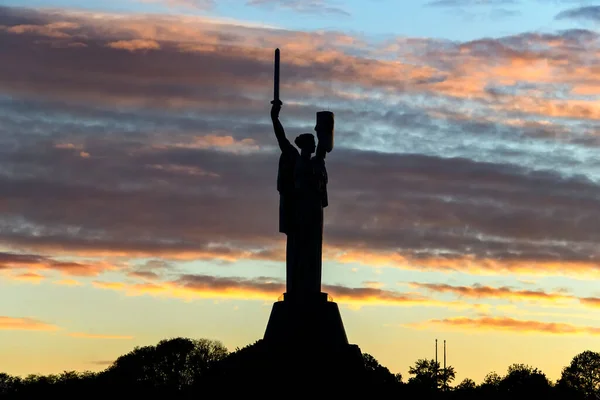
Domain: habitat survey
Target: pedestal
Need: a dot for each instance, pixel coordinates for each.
(305, 352)
(312, 320)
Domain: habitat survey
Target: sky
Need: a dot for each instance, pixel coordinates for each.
(138, 176)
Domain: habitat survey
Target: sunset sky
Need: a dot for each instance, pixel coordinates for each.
(138, 175)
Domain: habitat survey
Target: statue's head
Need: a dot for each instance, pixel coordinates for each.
(306, 142)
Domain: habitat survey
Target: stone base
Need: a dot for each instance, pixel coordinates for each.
(305, 352)
(281, 371)
(314, 321)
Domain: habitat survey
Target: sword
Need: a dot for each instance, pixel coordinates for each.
(276, 80)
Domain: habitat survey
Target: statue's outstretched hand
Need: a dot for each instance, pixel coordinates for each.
(276, 108)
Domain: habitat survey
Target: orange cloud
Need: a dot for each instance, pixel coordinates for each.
(235, 59)
(109, 285)
(30, 277)
(590, 301)
(201, 286)
(513, 325)
(135, 45)
(27, 324)
(464, 70)
(53, 30)
(184, 170)
(220, 142)
(99, 336)
(68, 282)
(17, 261)
(479, 291)
(469, 264)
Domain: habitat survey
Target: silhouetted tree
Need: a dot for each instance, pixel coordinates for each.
(446, 376)
(8, 384)
(188, 369)
(171, 366)
(467, 384)
(425, 374)
(524, 382)
(429, 376)
(379, 375)
(490, 387)
(466, 390)
(581, 379)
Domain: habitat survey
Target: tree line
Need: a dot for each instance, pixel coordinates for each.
(184, 368)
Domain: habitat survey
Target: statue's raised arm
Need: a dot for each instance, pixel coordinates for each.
(284, 143)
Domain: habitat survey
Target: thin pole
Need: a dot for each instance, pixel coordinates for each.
(444, 354)
(436, 366)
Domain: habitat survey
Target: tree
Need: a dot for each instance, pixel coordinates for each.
(377, 373)
(523, 381)
(492, 379)
(466, 385)
(425, 374)
(490, 387)
(171, 365)
(429, 375)
(8, 384)
(466, 390)
(582, 376)
(445, 377)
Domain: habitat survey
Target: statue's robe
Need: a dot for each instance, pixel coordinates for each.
(302, 186)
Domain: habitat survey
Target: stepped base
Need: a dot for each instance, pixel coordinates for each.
(305, 352)
(315, 321)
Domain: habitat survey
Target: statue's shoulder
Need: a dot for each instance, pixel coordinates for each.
(289, 153)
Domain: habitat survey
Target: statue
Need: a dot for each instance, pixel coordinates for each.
(302, 186)
(306, 324)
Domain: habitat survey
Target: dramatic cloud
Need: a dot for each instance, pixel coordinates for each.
(19, 261)
(99, 336)
(479, 291)
(591, 301)
(515, 325)
(303, 6)
(463, 3)
(269, 289)
(101, 363)
(68, 282)
(199, 4)
(29, 277)
(591, 13)
(25, 324)
(148, 137)
(135, 45)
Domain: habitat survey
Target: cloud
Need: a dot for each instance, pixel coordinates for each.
(591, 301)
(101, 362)
(484, 154)
(302, 6)
(514, 325)
(134, 45)
(590, 13)
(197, 4)
(465, 3)
(19, 261)
(109, 285)
(54, 30)
(268, 289)
(29, 277)
(480, 291)
(25, 324)
(81, 335)
(68, 282)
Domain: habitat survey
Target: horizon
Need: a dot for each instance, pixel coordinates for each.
(138, 171)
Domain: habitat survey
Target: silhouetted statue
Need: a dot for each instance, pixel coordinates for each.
(302, 186)
(306, 323)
